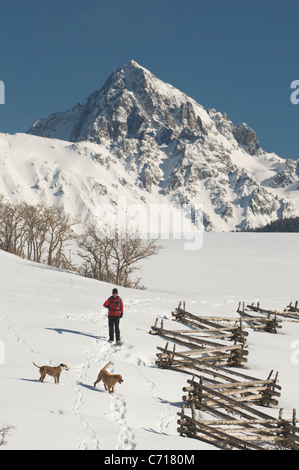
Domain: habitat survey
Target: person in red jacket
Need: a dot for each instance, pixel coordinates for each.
(115, 312)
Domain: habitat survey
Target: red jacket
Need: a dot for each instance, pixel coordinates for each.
(115, 306)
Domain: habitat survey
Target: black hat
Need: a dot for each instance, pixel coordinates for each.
(114, 291)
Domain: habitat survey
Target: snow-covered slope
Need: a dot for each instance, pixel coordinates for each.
(142, 138)
(50, 316)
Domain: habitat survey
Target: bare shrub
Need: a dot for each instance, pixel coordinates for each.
(42, 234)
(59, 233)
(36, 232)
(4, 431)
(12, 228)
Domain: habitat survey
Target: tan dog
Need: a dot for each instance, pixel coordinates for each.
(52, 371)
(108, 379)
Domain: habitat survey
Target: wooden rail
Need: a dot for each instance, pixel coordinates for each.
(291, 308)
(285, 314)
(217, 397)
(242, 434)
(221, 405)
(195, 336)
(228, 355)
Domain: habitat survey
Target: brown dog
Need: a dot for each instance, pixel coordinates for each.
(108, 379)
(52, 371)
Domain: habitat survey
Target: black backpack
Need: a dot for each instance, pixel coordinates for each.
(117, 303)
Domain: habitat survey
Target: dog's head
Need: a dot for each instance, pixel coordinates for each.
(120, 379)
(64, 367)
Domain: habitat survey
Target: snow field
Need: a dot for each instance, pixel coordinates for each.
(50, 316)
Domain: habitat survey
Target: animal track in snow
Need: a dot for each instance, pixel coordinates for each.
(101, 353)
(124, 432)
(10, 326)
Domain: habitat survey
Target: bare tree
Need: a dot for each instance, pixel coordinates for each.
(113, 257)
(36, 232)
(36, 227)
(4, 431)
(11, 227)
(95, 254)
(42, 234)
(59, 233)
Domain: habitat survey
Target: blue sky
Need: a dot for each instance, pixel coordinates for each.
(236, 56)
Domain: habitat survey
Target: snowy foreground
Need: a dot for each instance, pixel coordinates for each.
(50, 316)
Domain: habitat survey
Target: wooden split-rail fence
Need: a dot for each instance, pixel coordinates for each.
(293, 308)
(226, 346)
(227, 414)
(217, 390)
(289, 314)
(258, 431)
(218, 327)
(214, 353)
(205, 326)
(267, 320)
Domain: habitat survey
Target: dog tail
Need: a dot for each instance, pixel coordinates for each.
(106, 365)
(35, 365)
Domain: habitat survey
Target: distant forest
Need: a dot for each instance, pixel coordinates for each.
(282, 225)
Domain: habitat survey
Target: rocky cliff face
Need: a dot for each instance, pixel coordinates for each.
(174, 149)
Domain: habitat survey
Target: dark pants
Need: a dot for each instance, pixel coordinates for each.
(114, 325)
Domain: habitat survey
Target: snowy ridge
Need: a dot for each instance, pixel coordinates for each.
(140, 137)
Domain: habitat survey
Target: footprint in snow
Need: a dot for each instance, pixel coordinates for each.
(124, 432)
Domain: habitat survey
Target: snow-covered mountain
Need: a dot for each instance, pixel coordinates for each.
(142, 138)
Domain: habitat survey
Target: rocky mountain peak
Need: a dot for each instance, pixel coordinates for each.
(178, 150)
(131, 101)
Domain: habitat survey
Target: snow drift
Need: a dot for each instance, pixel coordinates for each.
(50, 316)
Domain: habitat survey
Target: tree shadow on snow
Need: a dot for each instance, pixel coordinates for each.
(161, 433)
(75, 332)
(177, 404)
